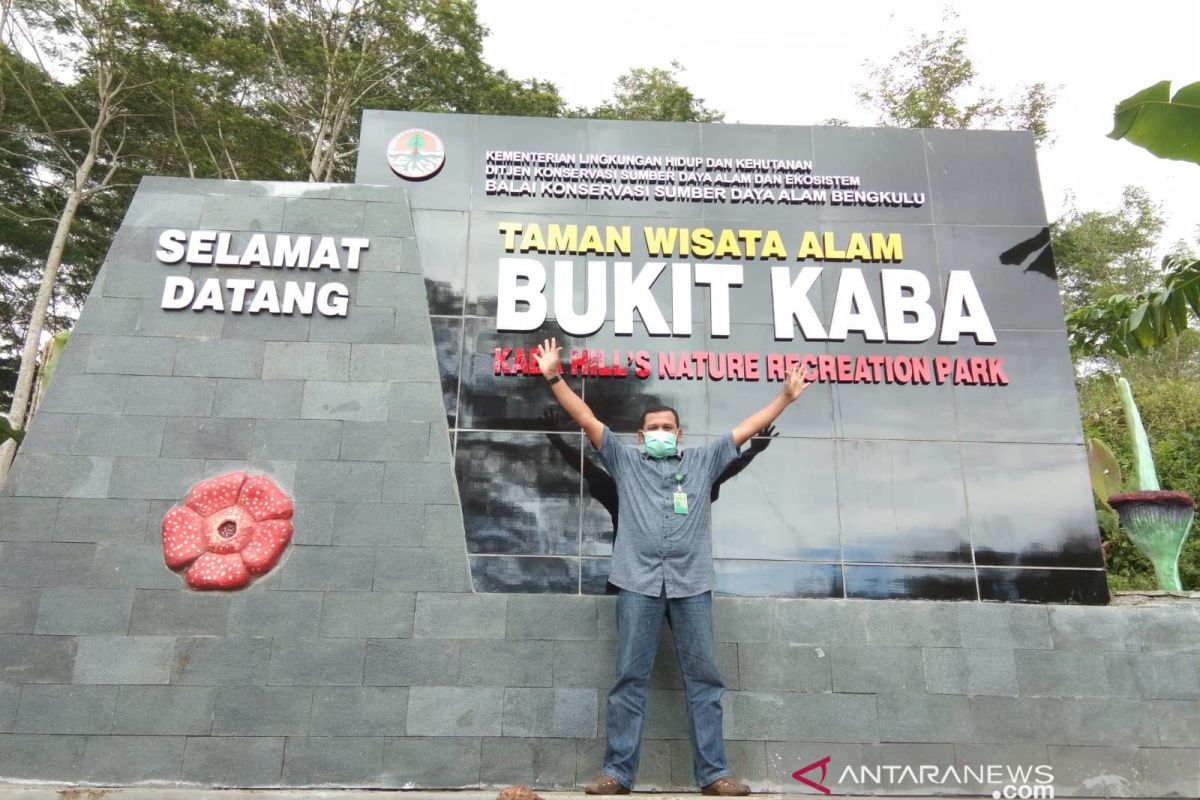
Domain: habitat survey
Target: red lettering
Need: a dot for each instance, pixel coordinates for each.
(641, 364)
(921, 369)
(942, 367)
(501, 364)
(903, 368)
(862, 370)
(996, 368)
(979, 372)
(809, 364)
(962, 372)
(774, 367)
(735, 366)
(825, 368)
(716, 366)
(751, 366)
(618, 369)
(579, 359)
(666, 365)
(685, 366)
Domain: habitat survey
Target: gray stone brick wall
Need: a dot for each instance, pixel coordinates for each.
(364, 658)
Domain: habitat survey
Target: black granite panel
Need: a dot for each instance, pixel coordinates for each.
(442, 239)
(781, 505)
(902, 502)
(912, 583)
(1086, 586)
(1031, 505)
(738, 578)
(528, 574)
(519, 494)
(447, 338)
(507, 402)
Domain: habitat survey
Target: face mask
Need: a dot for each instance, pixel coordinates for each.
(660, 444)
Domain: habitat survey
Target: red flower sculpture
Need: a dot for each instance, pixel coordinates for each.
(229, 528)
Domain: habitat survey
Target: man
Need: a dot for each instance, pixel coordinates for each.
(662, 566)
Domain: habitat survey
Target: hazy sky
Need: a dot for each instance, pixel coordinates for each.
(799, 62)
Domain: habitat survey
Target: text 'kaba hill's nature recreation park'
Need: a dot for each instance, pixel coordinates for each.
(298, 508)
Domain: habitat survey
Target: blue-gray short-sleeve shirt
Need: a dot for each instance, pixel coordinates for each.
(657, 545)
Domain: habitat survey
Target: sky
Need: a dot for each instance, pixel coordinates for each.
(797, 63)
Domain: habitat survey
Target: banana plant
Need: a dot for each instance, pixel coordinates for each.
(1169, 127)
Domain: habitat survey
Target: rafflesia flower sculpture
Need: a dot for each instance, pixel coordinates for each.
(228, 529)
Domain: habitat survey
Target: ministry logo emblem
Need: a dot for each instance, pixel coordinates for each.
(416, 154)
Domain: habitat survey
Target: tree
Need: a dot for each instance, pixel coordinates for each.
(94, 91)
(324, 61)
(1102, 253)
(653, 93)
(931, 83)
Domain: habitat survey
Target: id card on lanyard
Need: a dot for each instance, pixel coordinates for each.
(681, 501)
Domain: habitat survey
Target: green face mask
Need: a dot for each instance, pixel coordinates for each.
(660, 444)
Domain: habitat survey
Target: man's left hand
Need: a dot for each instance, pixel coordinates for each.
(794, 383)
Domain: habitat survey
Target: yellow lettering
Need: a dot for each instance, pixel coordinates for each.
(562, 238)
(618, 240)
(773, 246)
(510, 231)
(889, 249)
(858, 248)
(831, 251)
(591, 242)
(810, 248)
(750, 237)
(702, 242)
(660, 241)
(727, 245)
(532, 239)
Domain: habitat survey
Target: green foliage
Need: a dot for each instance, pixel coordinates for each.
(1170, 409)
(7, 431)
(1104, 471)
(1098, 254)
(932, 83)
(1129, 324)
(54, 350)
(1169, 127)
(653, 93)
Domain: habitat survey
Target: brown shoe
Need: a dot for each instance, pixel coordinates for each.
(726, 786)
(605, 784)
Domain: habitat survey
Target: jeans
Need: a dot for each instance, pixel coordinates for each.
(639, 623)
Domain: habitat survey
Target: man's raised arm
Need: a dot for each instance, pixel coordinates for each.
(793, 385)
(549, 357)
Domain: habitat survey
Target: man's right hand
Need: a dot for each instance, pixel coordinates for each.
(549, 358)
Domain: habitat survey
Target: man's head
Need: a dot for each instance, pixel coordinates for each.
(661, 422)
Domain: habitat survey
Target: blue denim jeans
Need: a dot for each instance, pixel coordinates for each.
(639, 623)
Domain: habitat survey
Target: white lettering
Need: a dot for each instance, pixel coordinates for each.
(853, 309)
(509, 293)
(333, 299)
(199, 250)
(790, 302)
(630, 293)
(961, 295)
(897, 305)
(720, 277)
(171, 246)
(178, 292)
(595, 298)
(265, 299)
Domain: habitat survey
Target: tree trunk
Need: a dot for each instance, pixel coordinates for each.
(37, 320)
